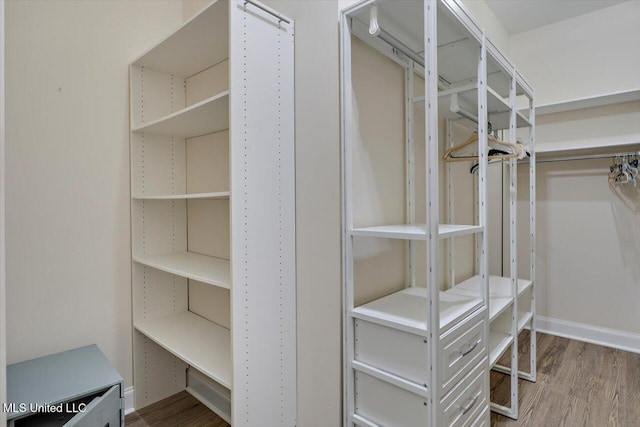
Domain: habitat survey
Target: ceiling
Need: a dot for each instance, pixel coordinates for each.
(523, 15)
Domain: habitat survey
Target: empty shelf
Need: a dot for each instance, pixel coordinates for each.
(498, 344)
(195, 340)
(523, 319)
(198, 44)
(498, 286)
(589, 102)
(452, 230)
(414, 231)
(497, 107)
(206, 269)
(208, 116)
(408, 310)
(401, 231)
(497, 304)
(209, 196)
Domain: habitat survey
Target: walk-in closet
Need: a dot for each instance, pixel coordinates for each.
(322, 213)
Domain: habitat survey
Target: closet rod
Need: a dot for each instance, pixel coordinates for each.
(585, 157)
(264, 9)
(400, 47)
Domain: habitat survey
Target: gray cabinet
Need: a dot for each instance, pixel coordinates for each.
(73, 388)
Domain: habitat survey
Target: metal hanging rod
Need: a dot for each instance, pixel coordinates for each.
(585, 157)
(400, 47)
(264, 9)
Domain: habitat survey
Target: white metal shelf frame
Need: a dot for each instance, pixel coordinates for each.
(353, 23)
(433, 230)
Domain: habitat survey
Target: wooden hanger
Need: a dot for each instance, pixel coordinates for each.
(454, 154)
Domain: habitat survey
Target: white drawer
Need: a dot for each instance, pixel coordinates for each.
(406, 355)
(461, 407)
(397, 352)
(385, 404)
(460, 350)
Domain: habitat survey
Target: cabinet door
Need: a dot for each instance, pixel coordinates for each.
(103, 411)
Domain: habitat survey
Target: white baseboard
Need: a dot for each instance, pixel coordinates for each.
(592, 334)
(129, 393)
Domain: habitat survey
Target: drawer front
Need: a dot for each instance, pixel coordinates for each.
(397, 352)
(103, 411)
(468, 399)
(461, 349)
(387, 405)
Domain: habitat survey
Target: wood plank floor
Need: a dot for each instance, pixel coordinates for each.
(179, 410)
(579, 384)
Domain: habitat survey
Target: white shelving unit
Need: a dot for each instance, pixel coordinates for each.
(398, 371)
(211, 105)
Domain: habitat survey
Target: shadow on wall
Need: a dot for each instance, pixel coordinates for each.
(626, 213)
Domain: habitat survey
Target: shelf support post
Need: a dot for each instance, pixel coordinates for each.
(432, 161)
(347, 221)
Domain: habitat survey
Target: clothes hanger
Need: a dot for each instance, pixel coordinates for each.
(501, 150)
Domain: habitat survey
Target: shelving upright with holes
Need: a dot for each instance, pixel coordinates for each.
(213, 239)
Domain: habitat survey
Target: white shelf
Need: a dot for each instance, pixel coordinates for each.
(400, 231)
(589, 102)
(195, 340)
(206, 269)
(407, 310)
(612, 144)
(207, 116)
(414, 231)
(198, 44)
(498, 344)
(207, 196)
(497, 107)
(523, 320)
(452, 230)
(498, 286)
(497, 304)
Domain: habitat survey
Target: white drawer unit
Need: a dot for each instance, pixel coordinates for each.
(468, 398)
(406, 355)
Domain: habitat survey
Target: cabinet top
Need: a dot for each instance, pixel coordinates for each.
(59, 377)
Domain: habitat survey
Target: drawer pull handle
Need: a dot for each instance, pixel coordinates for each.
(469, 348)
(472, 401)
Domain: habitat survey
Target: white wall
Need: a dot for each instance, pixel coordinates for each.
(68, 232)
(585, 56)
(588, 244)
(490, 23)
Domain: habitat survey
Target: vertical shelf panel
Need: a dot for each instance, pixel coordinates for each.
(263, 208)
